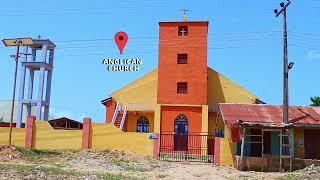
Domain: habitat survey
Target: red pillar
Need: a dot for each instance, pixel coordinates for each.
(30, 132)
(86, 133)
(217, 150)
(156, 144)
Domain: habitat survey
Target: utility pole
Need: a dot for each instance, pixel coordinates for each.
(18, 42)
(16, 58)
(286, 67)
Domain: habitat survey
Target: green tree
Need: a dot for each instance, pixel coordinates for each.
(315, 101)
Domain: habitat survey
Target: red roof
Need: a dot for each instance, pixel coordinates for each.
(268, 115)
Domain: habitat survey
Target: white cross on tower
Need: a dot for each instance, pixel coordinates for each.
(183, 31)
(184, 17)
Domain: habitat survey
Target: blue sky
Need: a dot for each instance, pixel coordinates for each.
(245, 44)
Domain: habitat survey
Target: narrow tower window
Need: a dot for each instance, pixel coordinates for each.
(182, 87)
(183, 31)
(182, 59)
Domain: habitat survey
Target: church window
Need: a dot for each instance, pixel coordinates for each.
(182, 59)
(182, 87)
(183, 31)
(143, 124)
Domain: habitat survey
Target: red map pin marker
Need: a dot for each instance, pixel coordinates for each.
(121, 39)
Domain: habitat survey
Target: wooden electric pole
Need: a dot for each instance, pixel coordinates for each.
(16, 59)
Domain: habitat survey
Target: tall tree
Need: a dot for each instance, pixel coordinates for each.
(315, 101)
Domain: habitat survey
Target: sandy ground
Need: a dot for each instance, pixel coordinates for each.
(20, 163)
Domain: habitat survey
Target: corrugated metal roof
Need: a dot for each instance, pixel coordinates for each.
(268, 115)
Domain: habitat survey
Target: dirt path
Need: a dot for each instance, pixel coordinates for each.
(20, 163)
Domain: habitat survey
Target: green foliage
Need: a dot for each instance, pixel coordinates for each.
(109, 176)
(25, 169)
(130, 167)
(36, 153)
(315, 101)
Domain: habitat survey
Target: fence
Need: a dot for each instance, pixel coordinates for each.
(195, 147)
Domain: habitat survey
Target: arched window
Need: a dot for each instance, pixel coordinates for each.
(181, 124)
(143, 124)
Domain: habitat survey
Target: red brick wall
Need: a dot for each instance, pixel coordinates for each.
(169, 114)
(195, 72)
(110, 107)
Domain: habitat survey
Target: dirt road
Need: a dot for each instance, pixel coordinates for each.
(20, 163)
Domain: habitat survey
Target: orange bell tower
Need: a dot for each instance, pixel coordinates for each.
(182, 64)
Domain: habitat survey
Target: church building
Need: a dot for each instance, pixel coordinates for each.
(179, 98)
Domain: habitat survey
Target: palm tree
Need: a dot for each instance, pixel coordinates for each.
(315, 101)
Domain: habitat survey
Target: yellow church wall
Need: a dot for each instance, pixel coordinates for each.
(205, 114)
(222, 89)
(106, 136)
(157, 118)
(133, 117)
(211, 122)
(18, 136)
(142, 90)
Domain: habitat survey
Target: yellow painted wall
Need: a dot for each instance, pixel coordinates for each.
(227, 150)
(220, 123)
(104, 136)
(107, 136)
(298, 148)
(212, 122)
(133, 117)
(157, 119)
(18, 136)
(222, 89)
(49, 138)
(142, 90)
(204, 115)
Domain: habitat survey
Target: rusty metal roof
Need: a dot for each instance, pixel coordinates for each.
(268, 115)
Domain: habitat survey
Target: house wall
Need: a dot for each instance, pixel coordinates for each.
(275, 143)
(194, 72)
(133, 117)
(227, 149)
(299, 143)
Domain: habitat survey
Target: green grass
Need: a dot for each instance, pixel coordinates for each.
(291, 177)
(109, 176)
(26, 169)
(37, 153)
(130, 167)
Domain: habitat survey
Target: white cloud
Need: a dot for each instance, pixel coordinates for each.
(313, 55)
